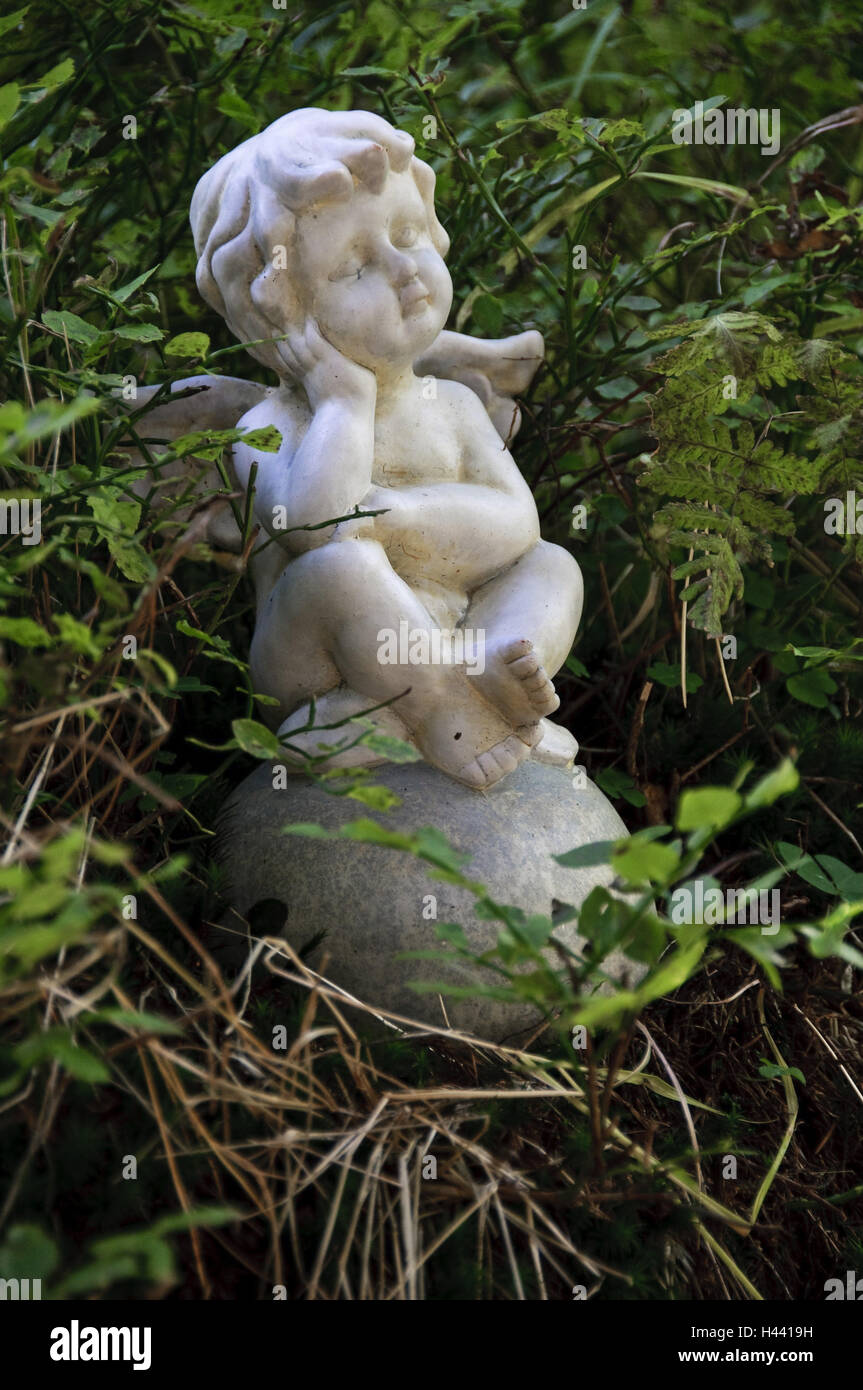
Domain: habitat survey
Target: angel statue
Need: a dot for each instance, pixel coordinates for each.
(392, 508)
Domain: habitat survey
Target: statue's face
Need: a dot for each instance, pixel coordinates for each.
(371, 275)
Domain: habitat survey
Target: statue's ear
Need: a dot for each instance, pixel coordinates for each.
(496, 369)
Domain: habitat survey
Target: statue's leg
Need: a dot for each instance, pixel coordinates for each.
(332, 739)
(528, 618)
(325, 623)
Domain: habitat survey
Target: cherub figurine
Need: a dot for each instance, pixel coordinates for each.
(319, 244)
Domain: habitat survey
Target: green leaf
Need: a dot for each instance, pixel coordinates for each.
(712, 807)
(100, 1274)
(126, 291)
(770, 1071)
(845, 882)
(10, 96)
(25, 632)
(722, 190)
(488, 315)
(114, 514)
(27, 1253)
(48, 417)
(641, 861)
(193, 685)
(617, 388)
(221, 650)
(232, 104)
(56, 1044)
(188, 345)
(812, 687)
(376, 797)
(139, 332)
(665, 674)
(784, 779)
(822, 871)
(268, 439)
(11, 21)
(674, 971)
(395, 750)
(76, 329)
(57, 75)
(587, 856)
(77, 635)
(257, 739)
(616, 784)
(648, 939)
(116, 520)
(39, 899)
(638, 303)
(452, 933)
(827, 938)
(577, 667)
(197, 1217)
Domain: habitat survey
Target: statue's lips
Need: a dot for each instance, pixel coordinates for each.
(411, 298)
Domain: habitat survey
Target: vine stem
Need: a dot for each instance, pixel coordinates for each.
(724, 673)
(684, 607)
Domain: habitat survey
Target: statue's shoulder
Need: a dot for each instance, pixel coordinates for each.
(284, 408)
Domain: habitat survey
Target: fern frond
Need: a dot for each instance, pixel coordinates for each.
(710, 453)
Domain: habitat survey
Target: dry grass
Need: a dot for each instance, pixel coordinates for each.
(323, 1144)
(550, 1175)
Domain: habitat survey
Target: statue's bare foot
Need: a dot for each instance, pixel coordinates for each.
(557, 746)
(496, 762)
(516, 683)
(467, 739)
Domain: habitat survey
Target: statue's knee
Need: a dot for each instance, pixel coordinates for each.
(343, 562)
(564, 569)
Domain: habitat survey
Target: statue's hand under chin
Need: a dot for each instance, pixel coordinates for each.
(325, 373)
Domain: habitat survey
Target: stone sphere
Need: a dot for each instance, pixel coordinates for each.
(371, 902)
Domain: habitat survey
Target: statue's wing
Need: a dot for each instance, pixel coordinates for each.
(202, 403)
(497, 369)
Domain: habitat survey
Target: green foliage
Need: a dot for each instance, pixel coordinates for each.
(645, 865)
(726, 472)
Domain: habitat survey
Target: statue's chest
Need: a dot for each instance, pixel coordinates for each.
(415, 449)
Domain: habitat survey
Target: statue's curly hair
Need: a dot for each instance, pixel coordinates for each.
(247, 204)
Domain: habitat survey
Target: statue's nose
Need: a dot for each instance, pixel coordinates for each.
(402, 267)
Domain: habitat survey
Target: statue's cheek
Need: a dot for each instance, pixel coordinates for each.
(437, 279)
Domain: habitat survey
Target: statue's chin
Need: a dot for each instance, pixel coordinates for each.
(412, 336)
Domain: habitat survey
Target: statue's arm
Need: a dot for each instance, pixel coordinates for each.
(489, 517)
(321, 470)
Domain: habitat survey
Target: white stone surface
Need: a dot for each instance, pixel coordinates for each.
(319, 243)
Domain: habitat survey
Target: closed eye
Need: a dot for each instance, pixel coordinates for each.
(351, 270)
(405, 237)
